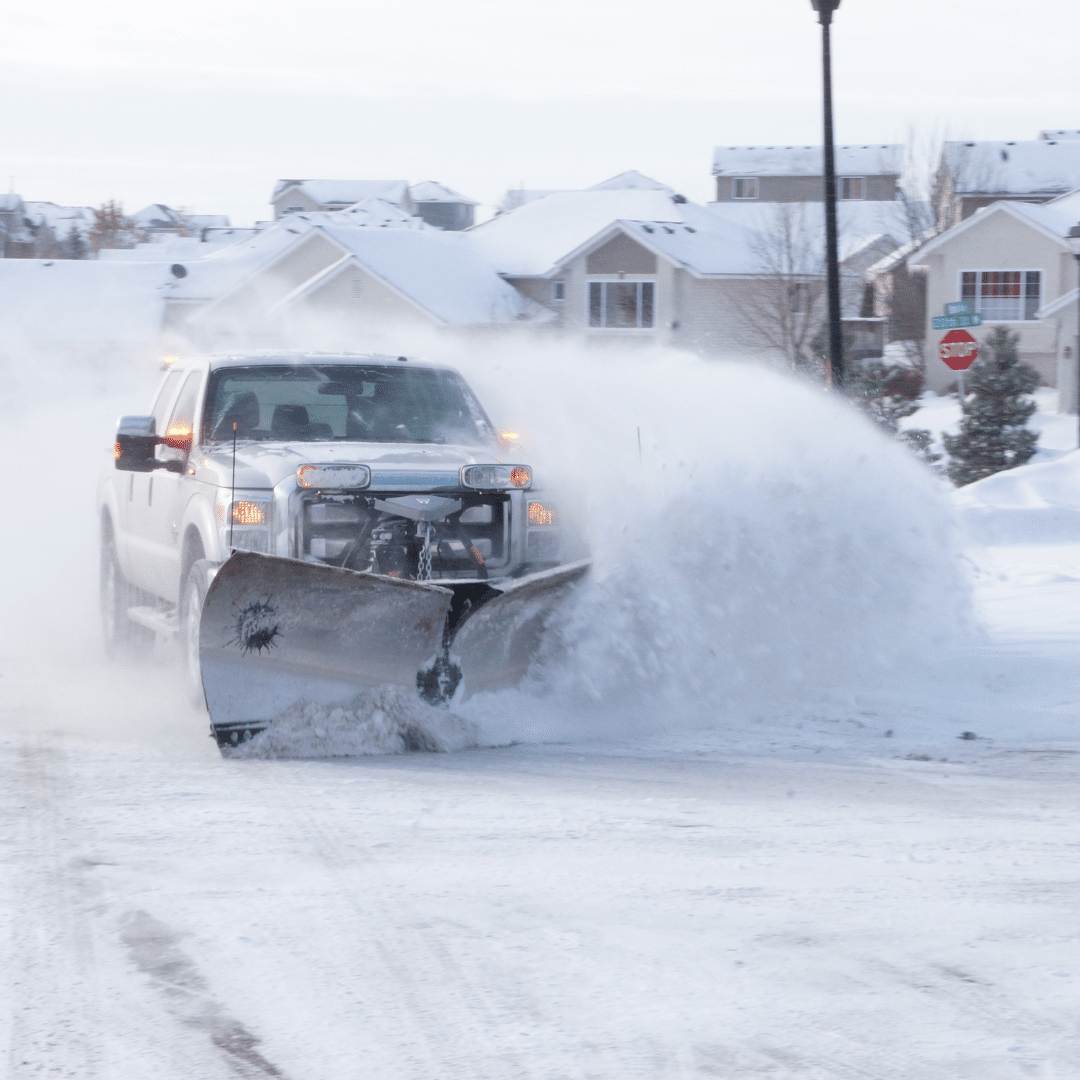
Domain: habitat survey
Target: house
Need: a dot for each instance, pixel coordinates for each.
(636, 264)
(1011, 262)
(330, 279)
(972, 175)
(159, 218)
(778, 174)
(298, 196)
(442, 207)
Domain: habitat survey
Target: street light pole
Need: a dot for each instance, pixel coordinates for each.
(825, 9)
(1074, 243)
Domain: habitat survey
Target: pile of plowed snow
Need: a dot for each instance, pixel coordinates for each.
(766, 543)
(379, 720)
(1032, 504)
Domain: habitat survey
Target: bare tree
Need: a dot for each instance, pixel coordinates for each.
(786, 304)
(112, 229)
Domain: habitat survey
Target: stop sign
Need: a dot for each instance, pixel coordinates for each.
(959, 350)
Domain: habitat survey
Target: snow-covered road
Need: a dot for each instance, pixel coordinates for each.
(840, 887)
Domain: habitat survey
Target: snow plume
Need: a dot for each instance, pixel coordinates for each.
(379, 720)
(765, 545)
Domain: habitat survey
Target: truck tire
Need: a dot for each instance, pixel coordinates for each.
(122, 638)
(191, 605)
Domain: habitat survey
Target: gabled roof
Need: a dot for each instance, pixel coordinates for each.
(632, 180)
(60, 218)
(872, 159)
(443, 272)
(1065, 302)
(345, 192)
(535, 239)
(368, 213)
(1039, 167)
(430, 191)
(1044, 218)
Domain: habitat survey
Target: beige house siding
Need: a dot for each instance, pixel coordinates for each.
(1000, 242)
(804, 189)
(705, 315)
(294, 197)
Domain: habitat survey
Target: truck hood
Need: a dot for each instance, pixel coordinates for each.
(394, 466)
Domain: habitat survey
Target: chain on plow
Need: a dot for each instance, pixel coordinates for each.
(424, 569)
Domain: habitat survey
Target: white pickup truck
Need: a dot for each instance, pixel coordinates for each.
(378, 466)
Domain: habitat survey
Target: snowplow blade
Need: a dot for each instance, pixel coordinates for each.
(276, 631)
(496, 643)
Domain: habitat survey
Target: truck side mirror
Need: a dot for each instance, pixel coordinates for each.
(133, 450)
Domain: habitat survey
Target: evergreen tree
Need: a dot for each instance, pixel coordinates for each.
(77, 247)
(885, 392)
(993, 432)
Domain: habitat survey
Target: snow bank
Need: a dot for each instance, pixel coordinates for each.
(1032, 504)
(380, 720)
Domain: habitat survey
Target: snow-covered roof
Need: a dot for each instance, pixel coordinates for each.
(859, 223)
(369, 213)
(446, 273)
(1051, 219)
(631, 180)
(1038, 167)
(60, 218)
(534, 239)
(872, 159)
(10, 203)
(1065, 302)
(81, 301)
(1067, 133)
(430, 191)
(345, 192)
(157, 216)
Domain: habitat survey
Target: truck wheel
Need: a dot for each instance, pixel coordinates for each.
(121, 637)
(191, 605)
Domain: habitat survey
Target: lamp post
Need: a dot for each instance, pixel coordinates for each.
(1074, 244)
(825, 9)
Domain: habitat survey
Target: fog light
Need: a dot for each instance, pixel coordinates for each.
(540, 514)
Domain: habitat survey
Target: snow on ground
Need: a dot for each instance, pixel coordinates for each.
(839, 857)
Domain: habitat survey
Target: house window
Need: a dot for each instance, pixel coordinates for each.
(558, 290)
(852, 187)
(744, 187)
(621, 305)
(799, 297)
(1002, 295)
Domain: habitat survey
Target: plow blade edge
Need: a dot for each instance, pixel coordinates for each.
(276, 631)
(496, 643)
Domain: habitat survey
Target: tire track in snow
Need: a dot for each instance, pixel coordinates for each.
(154, 948)
(55, 1024)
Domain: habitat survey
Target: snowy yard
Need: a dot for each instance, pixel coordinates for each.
(834, 883)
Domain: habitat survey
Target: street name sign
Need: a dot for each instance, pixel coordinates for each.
(960, 307)
(956, 322)
(958, 349)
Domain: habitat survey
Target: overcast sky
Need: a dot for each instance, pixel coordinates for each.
(205, 104)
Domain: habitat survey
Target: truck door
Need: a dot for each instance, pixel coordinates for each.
(169, 492)
(134, 493)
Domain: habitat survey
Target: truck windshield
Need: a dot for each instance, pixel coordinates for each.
(342, 403)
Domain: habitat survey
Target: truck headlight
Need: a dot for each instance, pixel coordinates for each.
(496, 477)
(333, 477)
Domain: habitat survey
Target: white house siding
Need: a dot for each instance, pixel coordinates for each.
(999, 242)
